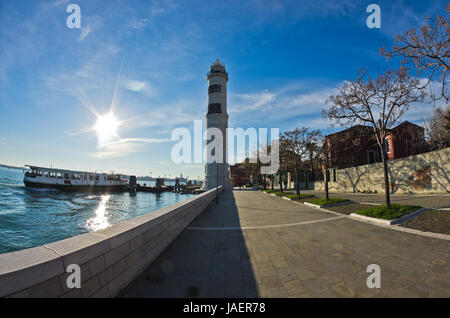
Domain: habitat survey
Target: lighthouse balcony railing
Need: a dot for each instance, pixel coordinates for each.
(216, 72)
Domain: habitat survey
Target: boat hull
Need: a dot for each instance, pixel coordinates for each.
(77, 188)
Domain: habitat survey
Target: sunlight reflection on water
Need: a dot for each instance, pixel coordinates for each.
(99, 221)
(33, 217)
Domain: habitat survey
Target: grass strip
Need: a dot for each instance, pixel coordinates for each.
(385, 213)
(324, 201)
(282, 193)
(299, 196)
(271, 191)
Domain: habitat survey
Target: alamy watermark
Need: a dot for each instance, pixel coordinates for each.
(257, 149)
(374, 279)
(374, 19)
(74, 278)
(74, 19)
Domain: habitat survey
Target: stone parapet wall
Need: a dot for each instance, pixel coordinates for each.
(424, 173)
(109, 259)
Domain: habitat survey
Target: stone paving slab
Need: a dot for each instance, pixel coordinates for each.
(327, 258)
(424, 200)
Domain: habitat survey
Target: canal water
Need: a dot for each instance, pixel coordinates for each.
(33, 217)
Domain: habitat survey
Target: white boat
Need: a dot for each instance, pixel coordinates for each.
(71, 180)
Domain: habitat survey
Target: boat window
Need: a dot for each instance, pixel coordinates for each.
(66, 176)
(97, 178)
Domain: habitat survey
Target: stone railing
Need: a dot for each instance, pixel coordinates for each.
(109, 259)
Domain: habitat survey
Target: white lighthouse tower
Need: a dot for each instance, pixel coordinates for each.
(217, 117)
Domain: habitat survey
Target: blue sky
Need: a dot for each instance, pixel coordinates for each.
(284, 59)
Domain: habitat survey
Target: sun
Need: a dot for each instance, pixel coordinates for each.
(106, 127)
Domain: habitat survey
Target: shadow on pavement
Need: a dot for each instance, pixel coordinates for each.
(202, 263)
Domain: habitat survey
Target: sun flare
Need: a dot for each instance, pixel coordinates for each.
(106, 128)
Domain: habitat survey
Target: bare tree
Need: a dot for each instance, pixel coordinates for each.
(379, 103)
(436, 129)
(313, 149)
(428, 50)
(296, 146)
(325, 158)
(447, 118)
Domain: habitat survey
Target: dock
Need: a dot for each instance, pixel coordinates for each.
(182, 189)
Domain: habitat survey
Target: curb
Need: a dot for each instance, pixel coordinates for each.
(328, 205)
(399, 220)
(373, 221)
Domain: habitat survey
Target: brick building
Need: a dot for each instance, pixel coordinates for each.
(357, 145)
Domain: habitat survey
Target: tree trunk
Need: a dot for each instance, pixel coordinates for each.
(297, 186)
(271, 181)
(306, 179)
(387, 188)
(281, 181)
(326, 183)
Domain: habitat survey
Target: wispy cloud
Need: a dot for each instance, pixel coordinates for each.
(135, 86)
(288, 103)
(89, 25)
(132, 140)
(85, 32)
(137, 24)
(123, 147)
(140, 87)
(161, 7)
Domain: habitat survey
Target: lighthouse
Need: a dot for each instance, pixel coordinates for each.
(216, 173)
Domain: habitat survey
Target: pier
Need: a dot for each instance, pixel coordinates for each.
(183, 189)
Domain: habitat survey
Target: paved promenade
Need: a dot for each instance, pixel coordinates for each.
(436, 201)
(255, 245)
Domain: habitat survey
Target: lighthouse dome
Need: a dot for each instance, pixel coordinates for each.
(217, 66)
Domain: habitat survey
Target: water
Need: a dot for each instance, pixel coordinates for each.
(33, 217)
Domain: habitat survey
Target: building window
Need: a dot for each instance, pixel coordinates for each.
(214, 89)
(388, 146)
(214, 108)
